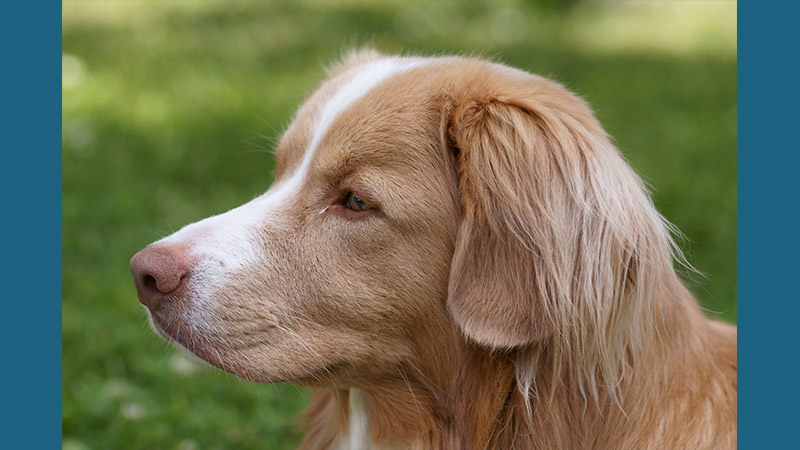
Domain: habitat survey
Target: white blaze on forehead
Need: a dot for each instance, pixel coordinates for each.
(366, 78)
(232, 238)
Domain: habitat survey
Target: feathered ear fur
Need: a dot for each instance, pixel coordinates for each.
(558, 238)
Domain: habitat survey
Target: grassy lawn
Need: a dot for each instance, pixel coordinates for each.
(169, 110)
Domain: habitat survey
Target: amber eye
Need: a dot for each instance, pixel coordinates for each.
(354, 202)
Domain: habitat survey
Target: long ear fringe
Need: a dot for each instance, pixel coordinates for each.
(537, 168)
(623, 274)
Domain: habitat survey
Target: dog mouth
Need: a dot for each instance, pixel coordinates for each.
(185, 336)
(219, 352)
(202, 347)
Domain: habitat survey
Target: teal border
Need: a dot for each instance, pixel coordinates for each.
(30, 182)
(768, 121)
(767, 241)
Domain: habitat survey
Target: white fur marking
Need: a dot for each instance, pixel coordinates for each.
(367, 78)
(229, 238)
(357, 437)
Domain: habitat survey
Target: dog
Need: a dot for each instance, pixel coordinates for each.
(452, 255)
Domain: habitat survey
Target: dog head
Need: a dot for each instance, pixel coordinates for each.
(417, 202)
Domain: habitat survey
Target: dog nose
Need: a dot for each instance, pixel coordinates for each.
(159, 272)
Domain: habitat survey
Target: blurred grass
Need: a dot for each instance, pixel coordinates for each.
(168, 112)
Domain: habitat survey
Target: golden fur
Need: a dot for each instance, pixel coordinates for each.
(510, 286)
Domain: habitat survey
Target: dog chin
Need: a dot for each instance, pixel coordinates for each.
(197, 347)
(201, 349)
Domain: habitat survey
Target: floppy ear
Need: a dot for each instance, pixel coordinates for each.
(498, 280)
(553, 219)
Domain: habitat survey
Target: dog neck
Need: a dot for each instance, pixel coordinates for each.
(421, 407)
(473, 398)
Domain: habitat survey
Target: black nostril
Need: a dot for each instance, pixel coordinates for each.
(150, 283)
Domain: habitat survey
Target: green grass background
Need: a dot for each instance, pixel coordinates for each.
(169, 110)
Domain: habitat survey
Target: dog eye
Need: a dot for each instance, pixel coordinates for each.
(354, 202)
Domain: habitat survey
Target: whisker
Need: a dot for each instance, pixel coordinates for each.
(413, 396)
